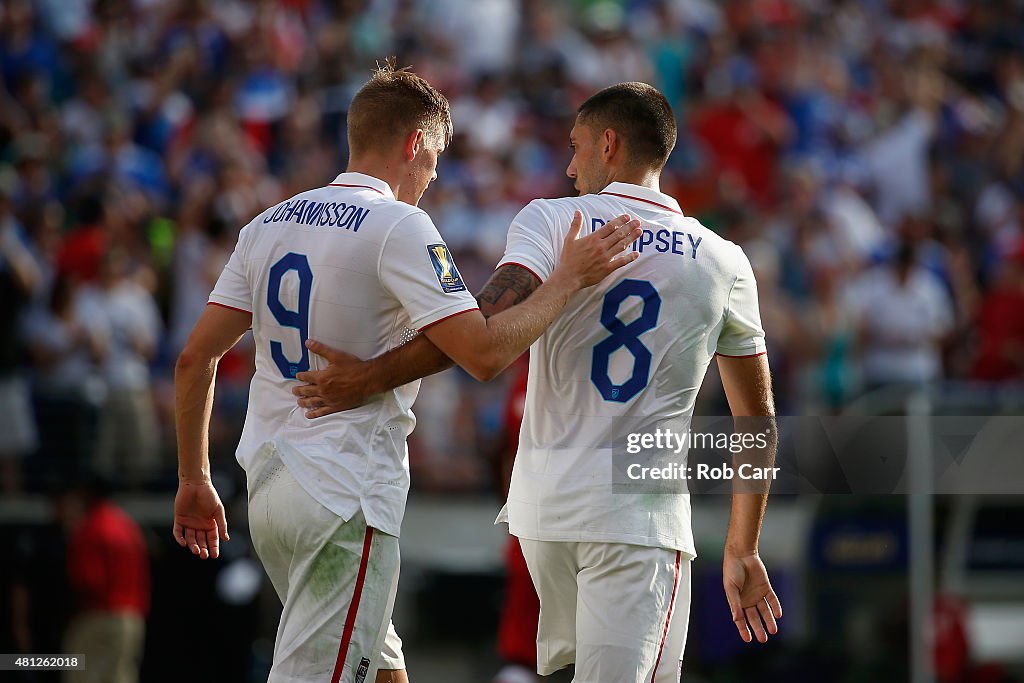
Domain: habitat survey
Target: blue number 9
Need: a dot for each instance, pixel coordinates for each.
(299, 319)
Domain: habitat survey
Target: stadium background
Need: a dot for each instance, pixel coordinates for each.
(833, 140)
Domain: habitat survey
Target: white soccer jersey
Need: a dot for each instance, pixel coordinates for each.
(350, 266)
(630, 352)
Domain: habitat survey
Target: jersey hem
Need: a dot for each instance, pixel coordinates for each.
(555, 665)
(345, 508)
(525, 267)
(745, 355)
(424, 326)
(527, 263)
(211, 302)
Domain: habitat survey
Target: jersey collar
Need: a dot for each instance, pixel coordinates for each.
(363, 180)
(643, 194)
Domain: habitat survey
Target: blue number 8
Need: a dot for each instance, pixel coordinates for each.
(299, 319)
(625, 335)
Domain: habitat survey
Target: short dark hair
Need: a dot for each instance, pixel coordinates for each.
(393, 103)
(638, 113)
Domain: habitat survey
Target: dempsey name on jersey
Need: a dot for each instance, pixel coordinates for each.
(322, 214)
(665, 241)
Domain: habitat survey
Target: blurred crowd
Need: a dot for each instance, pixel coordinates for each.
(868, 155)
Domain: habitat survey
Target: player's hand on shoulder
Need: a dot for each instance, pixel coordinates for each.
(585, 261)
(342, 385)
(750, 596)
(199, 521)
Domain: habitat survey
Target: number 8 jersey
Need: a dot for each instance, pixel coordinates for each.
(627, 355)
(350, 266)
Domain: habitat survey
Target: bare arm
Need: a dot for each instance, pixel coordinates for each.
(199, 520)
(349, 382)
(486, 346)
(747, 383)
(483, 342)
(510, 285)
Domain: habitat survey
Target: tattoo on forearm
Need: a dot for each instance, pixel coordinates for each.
(508, 286)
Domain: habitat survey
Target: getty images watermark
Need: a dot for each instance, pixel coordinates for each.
(675, 455)
(859, 455)
(666, 442)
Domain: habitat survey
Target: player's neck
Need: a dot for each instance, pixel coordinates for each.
(648, 178)
(381, 169)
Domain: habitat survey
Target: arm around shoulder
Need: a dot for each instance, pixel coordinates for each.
(486, 346)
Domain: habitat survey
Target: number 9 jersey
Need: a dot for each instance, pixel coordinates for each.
(350, 266)
(627, 355)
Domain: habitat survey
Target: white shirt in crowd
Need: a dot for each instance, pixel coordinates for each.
(897, 161)
(903, 324)
(131, 321)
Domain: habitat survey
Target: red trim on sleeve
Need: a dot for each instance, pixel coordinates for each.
(668, 619)
(526, 268)
(425, 327)
(641, 199)
(230, 308)
(750, 355)
(350, 618)
(365, 187)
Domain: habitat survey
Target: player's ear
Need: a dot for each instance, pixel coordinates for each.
(609, 144)
(413, 144)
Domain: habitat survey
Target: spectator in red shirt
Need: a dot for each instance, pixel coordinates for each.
(81, 252)
(1000, 355)
(744, 130)
(109, 570)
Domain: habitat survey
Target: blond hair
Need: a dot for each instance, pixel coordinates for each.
(393, 103)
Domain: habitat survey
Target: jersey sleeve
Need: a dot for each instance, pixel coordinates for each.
(532, 243)
(232, 289)
(742, 334)
(418, 270)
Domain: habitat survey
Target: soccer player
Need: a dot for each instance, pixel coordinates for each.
(352, 264)
(613, 571)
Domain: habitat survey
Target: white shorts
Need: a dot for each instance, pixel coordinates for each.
(336, 579)
(616, 610)
(391, 655)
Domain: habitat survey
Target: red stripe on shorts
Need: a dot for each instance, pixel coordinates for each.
(350, 619)
(671, 604)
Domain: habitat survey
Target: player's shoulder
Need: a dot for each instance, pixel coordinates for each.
(406, 217)
(565, 205)
(554, 212)
(711, 241)
(558, 205)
